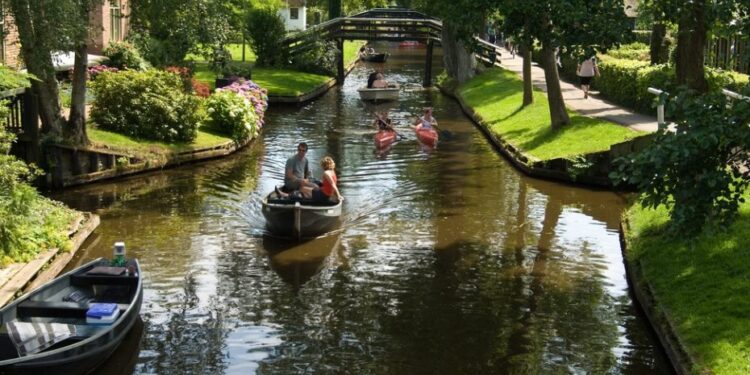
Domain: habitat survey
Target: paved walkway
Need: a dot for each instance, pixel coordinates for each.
(594, 106)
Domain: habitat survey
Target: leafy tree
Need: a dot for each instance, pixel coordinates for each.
(266, 32)
(570, 26)
(53, 25)
(699, 170)
(192, 26)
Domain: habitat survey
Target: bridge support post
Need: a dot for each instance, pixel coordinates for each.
(340, 62)
(428, 65)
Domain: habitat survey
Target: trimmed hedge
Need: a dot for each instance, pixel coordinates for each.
(625, 81)
(148, 105)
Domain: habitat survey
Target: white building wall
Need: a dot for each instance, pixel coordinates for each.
(298, 24)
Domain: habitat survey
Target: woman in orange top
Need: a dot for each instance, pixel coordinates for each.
(329, 191)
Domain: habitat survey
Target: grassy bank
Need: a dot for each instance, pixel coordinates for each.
(702, 284)
(278, 81)
(496, 96)
(145, 148)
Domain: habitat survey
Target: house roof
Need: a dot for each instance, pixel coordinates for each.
(295, 3)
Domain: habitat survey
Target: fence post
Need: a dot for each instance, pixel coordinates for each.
(428, 65)
(660, 106)
(340, 63)
(30, 125)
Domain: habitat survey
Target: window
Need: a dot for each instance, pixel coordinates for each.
(115, 20)
(293, 13)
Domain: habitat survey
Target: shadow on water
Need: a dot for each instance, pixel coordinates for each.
(125, 357)
(297, 262)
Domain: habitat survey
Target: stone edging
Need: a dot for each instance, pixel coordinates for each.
(596, 165)
(658, 317)
(48, 264)
(310, 95)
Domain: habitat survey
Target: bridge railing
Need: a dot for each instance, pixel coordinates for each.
(392, 13)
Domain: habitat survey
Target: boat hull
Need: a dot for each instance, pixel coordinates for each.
(292, 219)
(377, 94)
(92, 345)
(376, 57)
(384, 138)
(427, 136)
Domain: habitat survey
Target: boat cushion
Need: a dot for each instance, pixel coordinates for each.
(30, 338)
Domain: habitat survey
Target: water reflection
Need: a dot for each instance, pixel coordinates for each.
(447, 261)
(297, 262)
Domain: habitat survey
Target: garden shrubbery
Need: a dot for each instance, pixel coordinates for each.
(124, 55)
(320, 58)
(237, 110)
(266, 32)
(12, 79)
(150, 105)
(29, 222)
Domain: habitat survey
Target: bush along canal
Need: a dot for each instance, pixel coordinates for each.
(448, 260)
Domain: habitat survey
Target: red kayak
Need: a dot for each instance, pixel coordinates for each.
(383, 138)
(427, 136)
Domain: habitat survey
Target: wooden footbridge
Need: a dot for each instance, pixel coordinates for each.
(396, 25)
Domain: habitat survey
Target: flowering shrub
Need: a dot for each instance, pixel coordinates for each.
(151, 105)
(201, 89)
(257, 96)
(237, 110)
(182, 71)
(94, 71)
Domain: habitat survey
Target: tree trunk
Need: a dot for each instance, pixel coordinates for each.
(691, 44)
(558, 114)
(38, 61)
(528, 90)
(459, 61)
(75, 132)
(658, 33)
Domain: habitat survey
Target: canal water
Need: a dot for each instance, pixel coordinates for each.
(448, 260)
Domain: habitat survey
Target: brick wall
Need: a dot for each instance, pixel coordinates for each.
(11, 45)
(101, 27)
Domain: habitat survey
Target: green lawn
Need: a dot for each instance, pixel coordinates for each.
(235, 49)
(703, 283)
(142, 147)
(496, 96)
(278, 81)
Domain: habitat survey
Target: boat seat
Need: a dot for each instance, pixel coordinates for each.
(304, 202)
(54, 309)
(88, 280)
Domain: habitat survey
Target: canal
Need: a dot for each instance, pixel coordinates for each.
(448, 261)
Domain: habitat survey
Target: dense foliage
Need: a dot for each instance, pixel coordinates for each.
(150, 105)
(12, 79)
(237, 110)
(700, 169)
(266, 32)
(124, 55)
(29, 222)
(320, 58)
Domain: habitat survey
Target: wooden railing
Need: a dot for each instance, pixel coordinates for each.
(384, 24)
(15, 101)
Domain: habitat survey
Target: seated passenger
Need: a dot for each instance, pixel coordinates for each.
(380, 82)
(362, 53)
(382, 122)
(426, 121)
(329, 191)
(372, 78)
(296, 172)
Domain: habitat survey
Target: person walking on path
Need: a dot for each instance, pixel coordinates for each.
(586, 71)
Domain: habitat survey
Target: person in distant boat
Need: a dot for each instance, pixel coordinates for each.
(380, 82)
(328, 191)
(372, 78)
(426, 121)
(382, 122)
(362, 53)
(370, 51)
